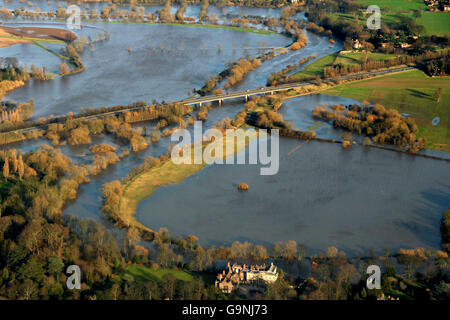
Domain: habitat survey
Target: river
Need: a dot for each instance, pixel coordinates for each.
(355, 199)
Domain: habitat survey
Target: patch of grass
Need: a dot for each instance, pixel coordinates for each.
(435, 23)
(145, 274)
(396, 5)
(351, 58)
(315, 69)
(49, 50)
(410, 92)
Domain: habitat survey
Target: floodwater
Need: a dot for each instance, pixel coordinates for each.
(165, 63)
(191, 10)
(89, 201)
(28, 54)
(355, 199)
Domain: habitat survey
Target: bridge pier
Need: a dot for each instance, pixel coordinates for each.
(246, 98)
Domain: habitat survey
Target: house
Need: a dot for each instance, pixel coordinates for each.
(357, 44)
(237, 274)
(404, 45)
(447, 8)
(298, 2)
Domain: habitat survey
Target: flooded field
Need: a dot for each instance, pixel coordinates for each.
(354, 199)
(164, 63)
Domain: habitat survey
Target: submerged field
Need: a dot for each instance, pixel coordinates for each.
(410, 92)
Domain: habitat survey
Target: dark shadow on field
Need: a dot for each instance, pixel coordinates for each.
(352, 59)
(419, 94)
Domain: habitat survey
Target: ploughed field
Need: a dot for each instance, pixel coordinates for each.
(40, 33)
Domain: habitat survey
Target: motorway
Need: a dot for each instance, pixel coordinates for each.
(284, 87)
(217, 98)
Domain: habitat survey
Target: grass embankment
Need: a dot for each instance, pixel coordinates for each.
(143, 185)
(435, 23)
(36, 42)
(145, 274)
(355, 58)
(410, 92)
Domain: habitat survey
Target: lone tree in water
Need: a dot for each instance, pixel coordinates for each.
(242, 187)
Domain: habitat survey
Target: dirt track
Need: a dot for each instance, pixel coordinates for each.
(34, 32)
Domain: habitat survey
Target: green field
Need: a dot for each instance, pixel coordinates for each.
(396, 5)
(410, 92)
(351, 58)
(435, 23)
(144, 274)
(316, 68)
(346, 58)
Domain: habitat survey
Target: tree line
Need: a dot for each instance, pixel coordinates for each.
(384, 125)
